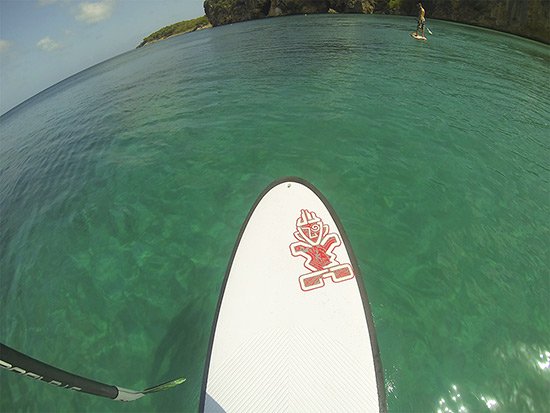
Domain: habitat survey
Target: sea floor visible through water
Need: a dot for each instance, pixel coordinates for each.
(123, 189)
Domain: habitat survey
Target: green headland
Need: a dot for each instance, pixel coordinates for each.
(182, 27)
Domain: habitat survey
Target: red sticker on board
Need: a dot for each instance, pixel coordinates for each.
(316, 244)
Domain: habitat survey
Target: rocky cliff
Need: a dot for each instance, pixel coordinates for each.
(230, 11)
(528, 18)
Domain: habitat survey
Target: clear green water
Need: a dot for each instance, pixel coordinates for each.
(123, 188)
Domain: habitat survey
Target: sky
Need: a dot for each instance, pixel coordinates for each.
(45, 41)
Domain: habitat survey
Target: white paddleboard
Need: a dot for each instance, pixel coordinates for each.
(417, 36)
(293, 330)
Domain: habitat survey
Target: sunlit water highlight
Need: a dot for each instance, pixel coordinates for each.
(123, 188)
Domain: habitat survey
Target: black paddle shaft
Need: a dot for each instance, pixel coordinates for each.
(17, 362)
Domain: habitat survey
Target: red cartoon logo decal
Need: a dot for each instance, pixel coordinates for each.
(316, 245)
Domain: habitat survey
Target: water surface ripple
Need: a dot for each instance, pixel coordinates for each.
(123, 188)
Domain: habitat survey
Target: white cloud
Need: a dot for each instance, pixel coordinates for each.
(4, 45)
(95, 12)
(48, 44)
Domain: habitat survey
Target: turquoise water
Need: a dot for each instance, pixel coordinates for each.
(123, 189)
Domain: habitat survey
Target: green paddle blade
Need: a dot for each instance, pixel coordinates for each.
(164, 386)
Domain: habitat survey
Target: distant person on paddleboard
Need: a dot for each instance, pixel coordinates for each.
(421, 19)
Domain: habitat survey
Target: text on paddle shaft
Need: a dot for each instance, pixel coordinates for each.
(32, 375)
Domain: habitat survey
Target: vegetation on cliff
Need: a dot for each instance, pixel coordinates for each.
(184, 26)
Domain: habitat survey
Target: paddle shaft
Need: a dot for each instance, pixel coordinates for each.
(17, 362)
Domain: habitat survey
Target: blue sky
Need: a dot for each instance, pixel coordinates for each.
(45, 41)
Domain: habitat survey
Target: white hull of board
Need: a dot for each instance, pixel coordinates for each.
(293, 331)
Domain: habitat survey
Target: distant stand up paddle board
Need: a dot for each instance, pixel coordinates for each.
(293, 330)
(417, 36)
